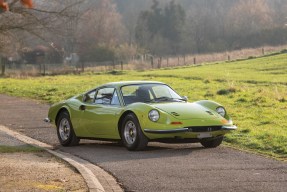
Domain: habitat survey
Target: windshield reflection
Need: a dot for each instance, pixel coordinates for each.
(148, 93)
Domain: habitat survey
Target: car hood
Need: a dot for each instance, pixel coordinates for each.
(184, 111)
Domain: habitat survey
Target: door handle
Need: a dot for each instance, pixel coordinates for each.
(82, 107)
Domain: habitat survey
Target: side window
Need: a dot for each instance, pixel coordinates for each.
(115, 99)
(130, 94)
(104, 96)
(129, 90)
(90, 97)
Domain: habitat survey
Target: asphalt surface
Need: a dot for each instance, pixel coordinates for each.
(7, 140)
(162, 167)
(35, 171)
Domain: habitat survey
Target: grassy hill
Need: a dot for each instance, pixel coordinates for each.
(253, 91)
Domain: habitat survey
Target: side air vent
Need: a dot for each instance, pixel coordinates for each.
(209, 112)
(175, 114)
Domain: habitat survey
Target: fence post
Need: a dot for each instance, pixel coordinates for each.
(2, 63)
(44, 69)
(184, 60)
(40, 68)
(167, 64)
(151, 62)
(263, 51)
(83, 67)
(122, 65)
(194, 60)
(160, 59)
(228, 57)
(177, 61)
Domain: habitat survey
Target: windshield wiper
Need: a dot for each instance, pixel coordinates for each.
(164, 99)
(181, 99)
(159, 99)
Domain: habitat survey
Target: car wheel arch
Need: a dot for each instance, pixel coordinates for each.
(212, 105)
(122, 118)
(209, 104)
(63, 109)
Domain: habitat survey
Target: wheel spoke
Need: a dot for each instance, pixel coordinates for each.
(130, 132)
(64, 129)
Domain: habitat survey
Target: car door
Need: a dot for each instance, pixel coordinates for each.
(100, 115)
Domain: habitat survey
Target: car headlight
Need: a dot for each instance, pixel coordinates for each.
(153, 115)
(221, 111)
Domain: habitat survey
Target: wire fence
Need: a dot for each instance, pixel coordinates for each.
(144, 62)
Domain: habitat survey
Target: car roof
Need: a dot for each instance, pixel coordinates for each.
(124, 83)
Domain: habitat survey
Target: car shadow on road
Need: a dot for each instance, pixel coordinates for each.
(102, 152)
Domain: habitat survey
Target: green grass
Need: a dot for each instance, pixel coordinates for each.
(253, 91)
(22, 148)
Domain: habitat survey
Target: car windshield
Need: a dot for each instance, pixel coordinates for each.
(148, 93)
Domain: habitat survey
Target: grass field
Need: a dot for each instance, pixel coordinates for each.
(254, 92)
(16, 149)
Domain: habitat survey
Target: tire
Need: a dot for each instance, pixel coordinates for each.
(212, 143)
(65, 131)
(132, 136)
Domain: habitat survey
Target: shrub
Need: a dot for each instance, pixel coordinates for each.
(115, 72)
(206, 81)
(245, 131)
(226, 91)
(98, 54)
(241, 100)
(209, 94)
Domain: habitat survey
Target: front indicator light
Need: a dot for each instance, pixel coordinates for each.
(224, 121)
(176, 123)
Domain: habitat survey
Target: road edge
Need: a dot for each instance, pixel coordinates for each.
(84, 167)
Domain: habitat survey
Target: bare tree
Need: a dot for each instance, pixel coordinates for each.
(43, 20)
(249, 16)
(100, 25)
(5, 5)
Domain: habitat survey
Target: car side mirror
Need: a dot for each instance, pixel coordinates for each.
(185, 98)
(86, 98)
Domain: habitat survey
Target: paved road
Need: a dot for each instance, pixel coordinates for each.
(161, 167)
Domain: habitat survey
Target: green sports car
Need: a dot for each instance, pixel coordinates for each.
(136, 112)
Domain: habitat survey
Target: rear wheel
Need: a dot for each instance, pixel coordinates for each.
(212, 143)
(65, 131)
(132, 135)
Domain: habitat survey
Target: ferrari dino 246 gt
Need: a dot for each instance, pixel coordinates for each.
(137, 112)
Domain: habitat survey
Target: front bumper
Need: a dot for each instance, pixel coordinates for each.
(229, 127)
(191, 129)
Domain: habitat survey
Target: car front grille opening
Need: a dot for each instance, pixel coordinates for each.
(204, 129)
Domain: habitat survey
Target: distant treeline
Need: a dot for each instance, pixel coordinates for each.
(121, 30)
(192, 26)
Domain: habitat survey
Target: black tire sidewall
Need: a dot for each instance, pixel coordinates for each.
(72, 134)
(131, 117)
(212, 143)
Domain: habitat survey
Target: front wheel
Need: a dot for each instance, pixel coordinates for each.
(212, 143)
(132, 135)
(65, 131)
